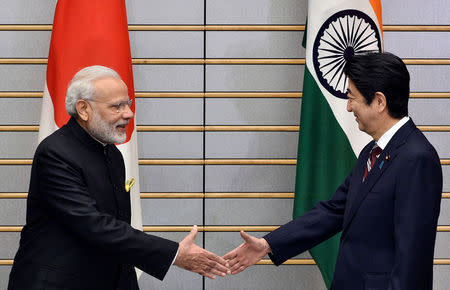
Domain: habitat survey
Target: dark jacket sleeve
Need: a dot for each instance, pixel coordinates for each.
(62, 191)
(320, 223)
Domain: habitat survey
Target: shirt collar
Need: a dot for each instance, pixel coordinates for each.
(387, 136)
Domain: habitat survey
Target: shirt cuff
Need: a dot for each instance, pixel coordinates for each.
(176, 254)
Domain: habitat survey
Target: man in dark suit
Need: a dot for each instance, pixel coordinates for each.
(388, 206)
(77, 233)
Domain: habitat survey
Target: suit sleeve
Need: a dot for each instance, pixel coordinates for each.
(417, 205)
(322, 222)
(63, 193)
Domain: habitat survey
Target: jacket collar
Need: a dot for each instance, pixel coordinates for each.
(83, 136)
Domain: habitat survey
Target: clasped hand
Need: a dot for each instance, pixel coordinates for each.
(196, 259)
(250, 252)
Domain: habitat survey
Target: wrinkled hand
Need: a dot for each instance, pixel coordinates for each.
(196, 259)
(247, 254)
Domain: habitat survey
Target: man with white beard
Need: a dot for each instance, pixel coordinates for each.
(77, 233)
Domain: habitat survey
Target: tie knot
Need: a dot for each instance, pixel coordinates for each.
(376, 151)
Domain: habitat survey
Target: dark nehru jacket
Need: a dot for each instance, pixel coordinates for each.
(77, 233)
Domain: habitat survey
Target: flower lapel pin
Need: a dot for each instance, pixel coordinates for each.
(129, 184)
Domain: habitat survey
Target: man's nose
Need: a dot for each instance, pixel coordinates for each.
(349, 106)
(127, 113)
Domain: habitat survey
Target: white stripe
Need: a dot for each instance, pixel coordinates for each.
(130, 156)
(318, 13)
(47, 124)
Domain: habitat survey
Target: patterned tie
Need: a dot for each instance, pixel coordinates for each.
(376, 151)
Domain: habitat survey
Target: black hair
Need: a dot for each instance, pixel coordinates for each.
(381, 72)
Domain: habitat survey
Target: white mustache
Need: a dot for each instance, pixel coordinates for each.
(122, 124)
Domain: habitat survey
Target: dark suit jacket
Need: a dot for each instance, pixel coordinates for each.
(388, 222)
(77, 233)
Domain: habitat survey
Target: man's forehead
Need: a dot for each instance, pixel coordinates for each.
(110, 87)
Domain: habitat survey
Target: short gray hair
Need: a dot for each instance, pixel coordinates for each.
(81, 87)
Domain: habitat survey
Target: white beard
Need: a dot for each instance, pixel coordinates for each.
(105, 132)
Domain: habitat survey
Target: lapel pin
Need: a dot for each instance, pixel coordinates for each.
(387, 158)
(129, 184)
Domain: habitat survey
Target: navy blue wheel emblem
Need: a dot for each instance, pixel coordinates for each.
(343, 35)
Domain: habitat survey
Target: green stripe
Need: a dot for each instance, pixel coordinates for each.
(325, 158)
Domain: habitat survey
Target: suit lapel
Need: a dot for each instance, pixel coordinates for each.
(358, 176)
(383, 162)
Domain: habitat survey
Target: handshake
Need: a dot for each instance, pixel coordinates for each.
(196, 259)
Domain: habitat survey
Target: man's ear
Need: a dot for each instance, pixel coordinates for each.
(82, 108)
(380, 101)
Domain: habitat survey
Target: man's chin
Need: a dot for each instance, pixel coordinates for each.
(360, 127)
(117, 139)
(121, 138)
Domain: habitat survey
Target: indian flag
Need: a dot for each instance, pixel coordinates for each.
(330, 140)
(86, 33)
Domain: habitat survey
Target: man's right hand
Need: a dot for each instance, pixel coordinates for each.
(248, 253)
(196, 259)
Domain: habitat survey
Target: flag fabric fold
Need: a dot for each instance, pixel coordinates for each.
(89, 33)
(329, 140)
